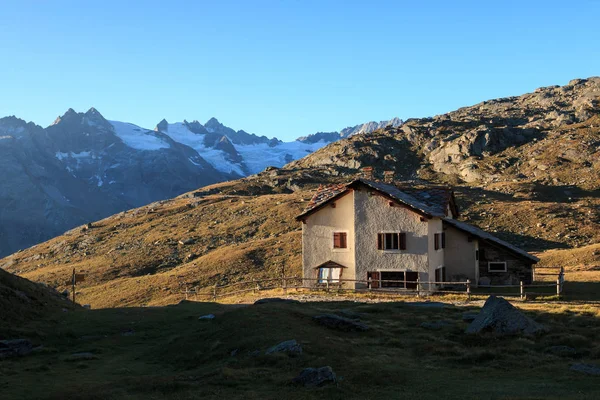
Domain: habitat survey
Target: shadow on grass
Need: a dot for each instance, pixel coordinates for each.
(168, 352)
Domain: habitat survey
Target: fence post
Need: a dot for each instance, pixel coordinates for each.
(327, 285)
(418, 288)
(369, 284)
(558, 287)
(468, 289)
(257, 287)
(186, 292)
(522, 290)
(215, 292)
(283, 285)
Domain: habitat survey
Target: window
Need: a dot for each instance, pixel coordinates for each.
(496, 266)
(439, 241)
(392, 276)
(391, 241)
(340, 240)
(440, 274)
(402, 279)
(328, 274)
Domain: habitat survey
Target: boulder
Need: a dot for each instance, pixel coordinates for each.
(469, 316)
(435, 325)
(587, 369)
(275, 300)
(340, 323)
(502, 318)
(311, 377)
(15, 347)
(81, 357)
(207, 317)
(291, 347)
(562, 351)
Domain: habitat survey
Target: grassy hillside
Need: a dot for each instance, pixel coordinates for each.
(23, 302)
(246, 230)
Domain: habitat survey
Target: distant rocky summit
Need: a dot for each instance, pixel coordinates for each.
(84, 167)
(536, 137)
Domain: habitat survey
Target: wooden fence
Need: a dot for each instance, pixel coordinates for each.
(399, 287)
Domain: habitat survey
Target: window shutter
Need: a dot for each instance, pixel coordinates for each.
(336, 240)
(343, 240)
(402, 238)
(436, 241)
(443, 240)
(380, 241)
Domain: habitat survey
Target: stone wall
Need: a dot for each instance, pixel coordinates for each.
(517, 268)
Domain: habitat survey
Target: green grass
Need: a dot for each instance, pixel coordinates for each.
(167, 353)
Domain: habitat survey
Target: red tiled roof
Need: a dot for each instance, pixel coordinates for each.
(433, 200)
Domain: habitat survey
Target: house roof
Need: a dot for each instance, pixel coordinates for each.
(473, 230)
(430, 201)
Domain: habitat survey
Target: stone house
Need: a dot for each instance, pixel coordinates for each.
(381, 231)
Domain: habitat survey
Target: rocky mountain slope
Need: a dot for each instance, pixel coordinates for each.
(530, 190)
(84, 167)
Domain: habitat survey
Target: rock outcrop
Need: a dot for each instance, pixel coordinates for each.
(501, 318)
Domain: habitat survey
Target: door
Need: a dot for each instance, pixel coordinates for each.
(374, 277)
(411, 279)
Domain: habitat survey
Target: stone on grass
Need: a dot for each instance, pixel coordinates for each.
(502, 318)
(435, 325)
(349, 314)
(311, 377)
(469, 316)
(276, 300)
(208, 316)
(562, 351)
(15, 347)
(291, 347)
(81, 357)
(586, 369)
(340, 323)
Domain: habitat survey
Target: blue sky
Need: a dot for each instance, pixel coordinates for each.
(285, 68)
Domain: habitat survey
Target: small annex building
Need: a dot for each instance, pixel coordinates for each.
(401, 232)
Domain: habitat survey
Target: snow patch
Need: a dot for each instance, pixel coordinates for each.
(138, 138)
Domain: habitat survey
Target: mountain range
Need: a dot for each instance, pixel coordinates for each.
(84, 167)
(533, 179)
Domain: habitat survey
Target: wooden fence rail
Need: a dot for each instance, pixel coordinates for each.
(416, 287)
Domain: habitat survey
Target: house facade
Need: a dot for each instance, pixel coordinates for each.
(372, 230)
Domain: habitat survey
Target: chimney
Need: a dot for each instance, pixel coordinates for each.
(367, 173)
(388, 176)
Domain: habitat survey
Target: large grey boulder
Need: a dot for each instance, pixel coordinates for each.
(311, 377)
(586, 369)
(291, 347)
(14, 348)
(502, 318)
(340, 323)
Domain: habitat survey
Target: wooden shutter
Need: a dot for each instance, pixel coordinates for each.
(343, 240)
(436, 241)
(402, 240)
(443, 240)
(337, 240)
(411, 279)
(374, 279)
(380, 239)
